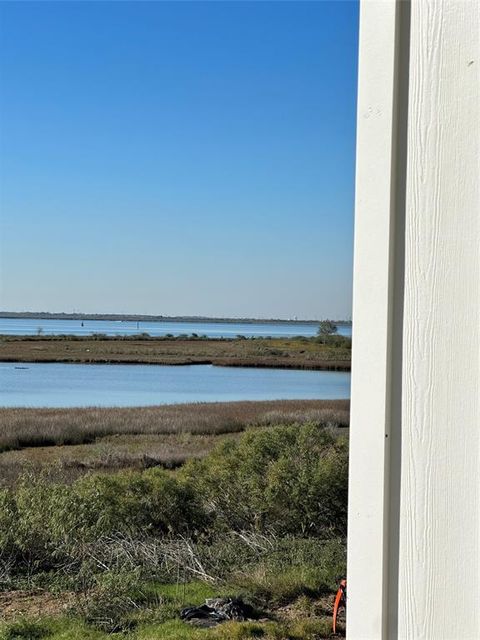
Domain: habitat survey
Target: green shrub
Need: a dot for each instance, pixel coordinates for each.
(335, 341)
(286, 480)
(25, 630)
(8, 519)
(134, 503)
(47, 522)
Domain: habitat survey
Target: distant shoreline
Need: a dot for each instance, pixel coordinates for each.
(268, 353)
(38, 315)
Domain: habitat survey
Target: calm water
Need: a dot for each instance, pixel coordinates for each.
(31, 326)
(77, 385)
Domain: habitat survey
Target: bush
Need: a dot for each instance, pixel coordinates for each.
(135, 504)
(47, 523)
(285, 480)
(336, 341)
(25, 630)
(8, 520)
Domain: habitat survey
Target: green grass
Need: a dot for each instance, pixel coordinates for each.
(74, 629)
(189, 593)
(50, 629)
(158, 620)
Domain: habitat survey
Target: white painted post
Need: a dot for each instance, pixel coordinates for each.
(373, 263)
(414, 512)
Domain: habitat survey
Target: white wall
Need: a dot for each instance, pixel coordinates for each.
(414, 513)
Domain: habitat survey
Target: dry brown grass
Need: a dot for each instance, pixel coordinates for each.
(292, 353)
(66, 463)
(20, 427)
(20, 604)
(74, 441)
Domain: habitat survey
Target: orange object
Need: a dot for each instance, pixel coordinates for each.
(340, 601)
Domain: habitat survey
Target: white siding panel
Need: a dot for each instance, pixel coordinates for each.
(439, 566)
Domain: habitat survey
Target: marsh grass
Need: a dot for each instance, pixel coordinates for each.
(20, 428)
(297, 353)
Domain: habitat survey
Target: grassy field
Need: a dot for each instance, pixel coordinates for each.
(330, 353)
(71, 442)
(43, 616)
(112, 520)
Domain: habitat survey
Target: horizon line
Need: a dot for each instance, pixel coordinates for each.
(73, 315)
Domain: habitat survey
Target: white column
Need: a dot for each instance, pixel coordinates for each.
(372, 319)
(414, 512)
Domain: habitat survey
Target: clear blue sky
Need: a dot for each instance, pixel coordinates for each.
(178, 157)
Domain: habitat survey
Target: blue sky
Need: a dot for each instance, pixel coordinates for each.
(178, 158)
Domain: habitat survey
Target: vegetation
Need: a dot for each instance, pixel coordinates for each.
(284, 480)
(327, 328)
(71, 629)
(279, 481)
(263, 516)
(294, 353)
(73, 441)
(327, 331)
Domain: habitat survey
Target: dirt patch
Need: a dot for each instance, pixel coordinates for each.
(15, 604)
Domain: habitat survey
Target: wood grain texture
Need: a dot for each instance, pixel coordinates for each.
(439, 590)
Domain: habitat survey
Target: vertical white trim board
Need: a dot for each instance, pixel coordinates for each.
(374, 277)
